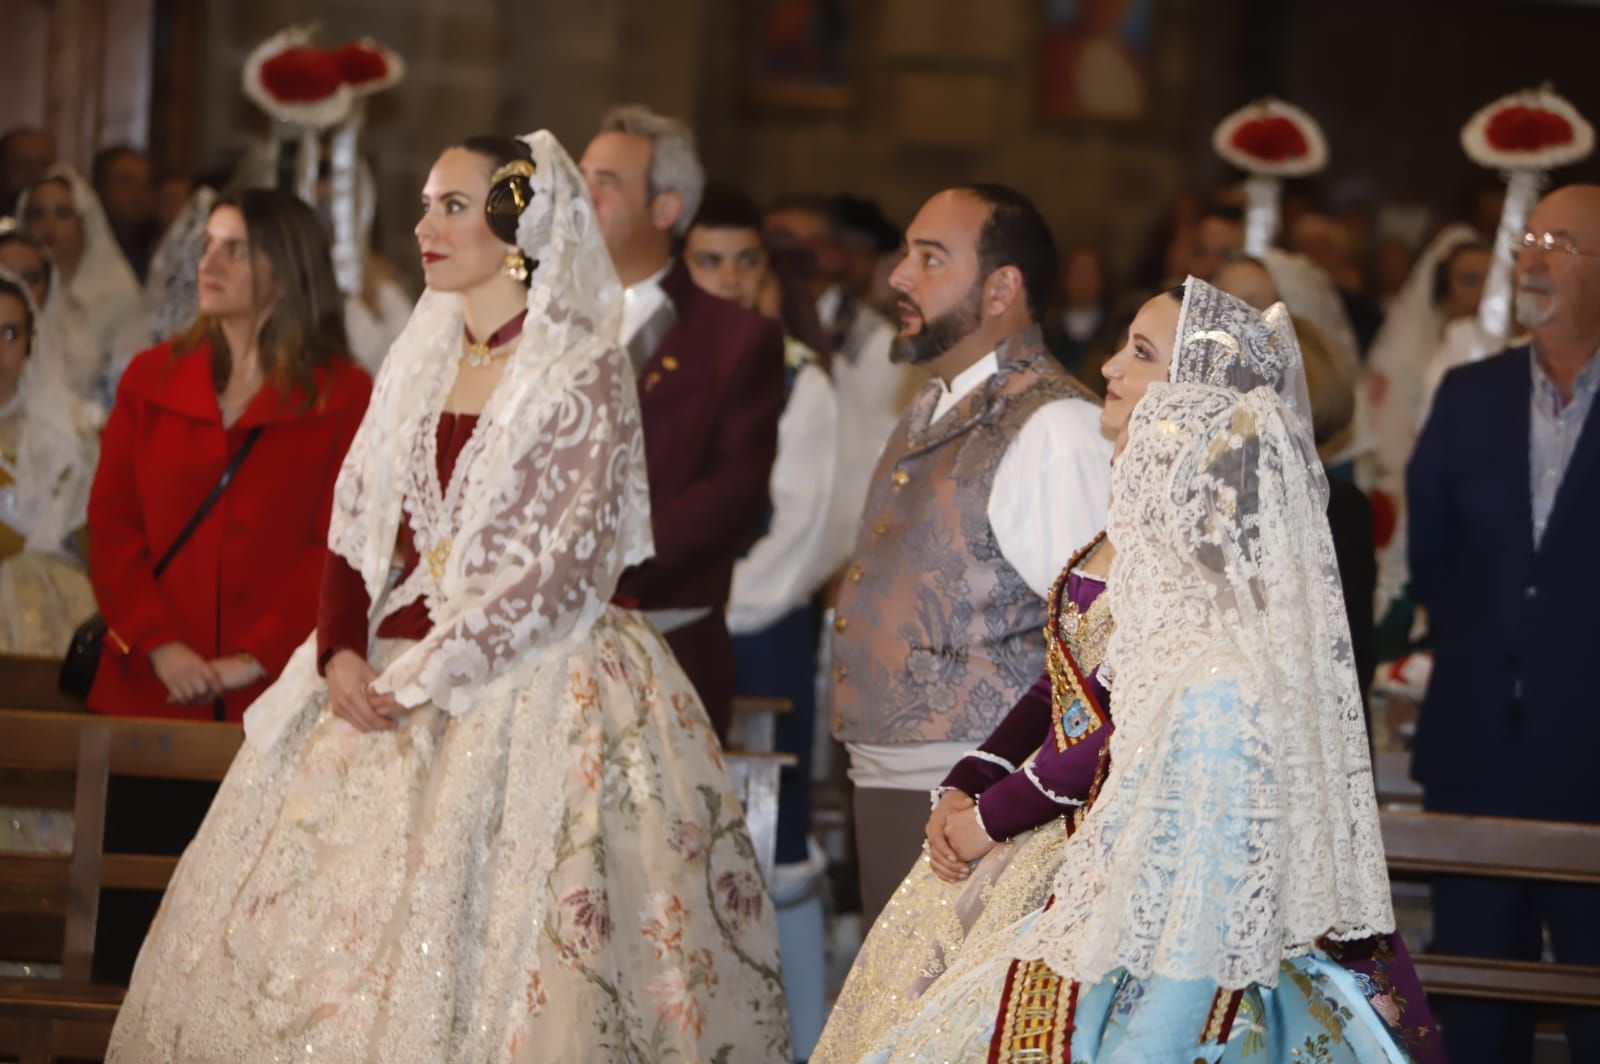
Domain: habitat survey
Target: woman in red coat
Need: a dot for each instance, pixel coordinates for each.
(268, 352)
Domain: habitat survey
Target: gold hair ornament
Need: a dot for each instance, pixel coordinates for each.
(515, 168)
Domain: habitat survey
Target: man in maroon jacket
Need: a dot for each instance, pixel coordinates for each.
(710, 392)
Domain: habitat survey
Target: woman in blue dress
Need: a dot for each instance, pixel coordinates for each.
(1232, 849)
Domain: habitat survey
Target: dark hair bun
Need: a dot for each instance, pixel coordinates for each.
(509, 196)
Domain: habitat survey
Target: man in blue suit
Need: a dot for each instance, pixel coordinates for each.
(1504, 498)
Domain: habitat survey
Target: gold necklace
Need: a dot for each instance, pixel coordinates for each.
(480, 356)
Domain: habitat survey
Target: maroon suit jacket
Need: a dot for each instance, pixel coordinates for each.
(710, 397)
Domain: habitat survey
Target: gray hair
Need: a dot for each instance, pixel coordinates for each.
(674, 164)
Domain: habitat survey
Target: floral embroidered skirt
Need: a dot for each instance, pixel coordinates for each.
(561, 874)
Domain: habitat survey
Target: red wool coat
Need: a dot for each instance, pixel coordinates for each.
(247, 580)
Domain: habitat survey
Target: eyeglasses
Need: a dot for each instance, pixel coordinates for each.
(1551, 243)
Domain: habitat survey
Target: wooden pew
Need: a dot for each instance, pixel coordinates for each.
(1391, 774)
(30, 683)
(754, 727)
(755, 781)
(43, 1018)
(1426, 844)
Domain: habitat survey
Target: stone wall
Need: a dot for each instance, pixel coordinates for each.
(943, 92)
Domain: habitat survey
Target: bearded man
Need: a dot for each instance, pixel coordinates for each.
(986, 487)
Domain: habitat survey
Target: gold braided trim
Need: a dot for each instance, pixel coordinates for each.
(1219, 1022)
(1036, 1014)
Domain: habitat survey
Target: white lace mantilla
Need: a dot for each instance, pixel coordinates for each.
(1238, 823)
(57, 446)
(548, 503)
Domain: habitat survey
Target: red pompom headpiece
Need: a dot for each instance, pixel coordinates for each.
(297, 82)
(1531, 130)
(1271, 138)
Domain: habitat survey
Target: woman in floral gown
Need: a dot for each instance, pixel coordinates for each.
(500, 830)
(1031, 802)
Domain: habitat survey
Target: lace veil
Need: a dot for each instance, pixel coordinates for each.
(57, 452)
(1401, 352)
(548, 502)
(101, 298)
(1237, 824)
(1223, 340)
(172, 290)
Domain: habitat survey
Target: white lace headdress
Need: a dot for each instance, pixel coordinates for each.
(104, 287)
(1237, 825)
(1402, 349)
(172, 289)
(549, 501)
(57, 451)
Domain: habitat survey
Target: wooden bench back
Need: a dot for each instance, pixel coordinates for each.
(56, 751)
(754, 727)
(1391, 777)
(1498, 847)
(30, 683)
(1426, 844)
(755, 779)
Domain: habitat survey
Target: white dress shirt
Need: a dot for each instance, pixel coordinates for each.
(641, 300)
(789, 563)
(1049, 498)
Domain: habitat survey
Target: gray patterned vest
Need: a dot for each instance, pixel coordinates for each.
(935, 634)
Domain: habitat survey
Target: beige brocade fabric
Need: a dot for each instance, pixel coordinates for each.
(377, 897)
(43, 597)
(924, 930)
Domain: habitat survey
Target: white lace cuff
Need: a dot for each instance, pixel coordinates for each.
(934, 794)
(1046, 791)
(993, 759)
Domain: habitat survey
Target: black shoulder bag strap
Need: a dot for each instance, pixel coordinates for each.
(209, 501)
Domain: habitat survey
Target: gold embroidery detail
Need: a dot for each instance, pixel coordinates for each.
(1087, 633)
(1075, 714)
(1037, 1023)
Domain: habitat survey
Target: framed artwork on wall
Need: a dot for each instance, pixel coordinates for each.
(802, 53)
(1095, 60)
